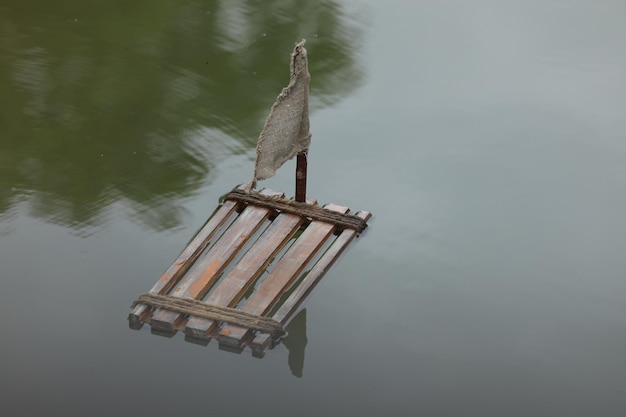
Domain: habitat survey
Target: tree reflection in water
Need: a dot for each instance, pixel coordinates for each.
(138, 103)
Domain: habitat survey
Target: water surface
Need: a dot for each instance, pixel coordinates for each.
(486, 137)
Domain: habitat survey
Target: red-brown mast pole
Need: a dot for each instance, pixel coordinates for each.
(301, 177)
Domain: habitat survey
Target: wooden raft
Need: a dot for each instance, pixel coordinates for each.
(252, 258)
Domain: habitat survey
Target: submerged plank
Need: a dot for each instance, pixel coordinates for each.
(230, 290)
(286, 271)
(185, 260)
(262, 340)
(195, 284)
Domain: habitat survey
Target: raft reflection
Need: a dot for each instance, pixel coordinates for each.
(295, 342)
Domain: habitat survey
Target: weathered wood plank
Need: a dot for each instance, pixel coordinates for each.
(195, 284)
(230, 290)
(185, 260)
(262, 340)
(287, 269)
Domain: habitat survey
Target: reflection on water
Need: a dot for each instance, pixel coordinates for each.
(139, 105)
(295, 342)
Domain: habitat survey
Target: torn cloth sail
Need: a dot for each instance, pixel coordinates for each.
(286, 131)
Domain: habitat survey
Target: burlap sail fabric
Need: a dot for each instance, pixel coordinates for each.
(286, 131)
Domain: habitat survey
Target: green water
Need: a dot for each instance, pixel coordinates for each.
(486, 137)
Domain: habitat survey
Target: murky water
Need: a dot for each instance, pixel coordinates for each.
(487, 138)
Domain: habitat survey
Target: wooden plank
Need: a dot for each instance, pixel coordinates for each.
(262, 340)
(287, 269)
(195, 284)
(185, 260)
(230, 290)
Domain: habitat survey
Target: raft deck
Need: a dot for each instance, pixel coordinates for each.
(260, 257)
